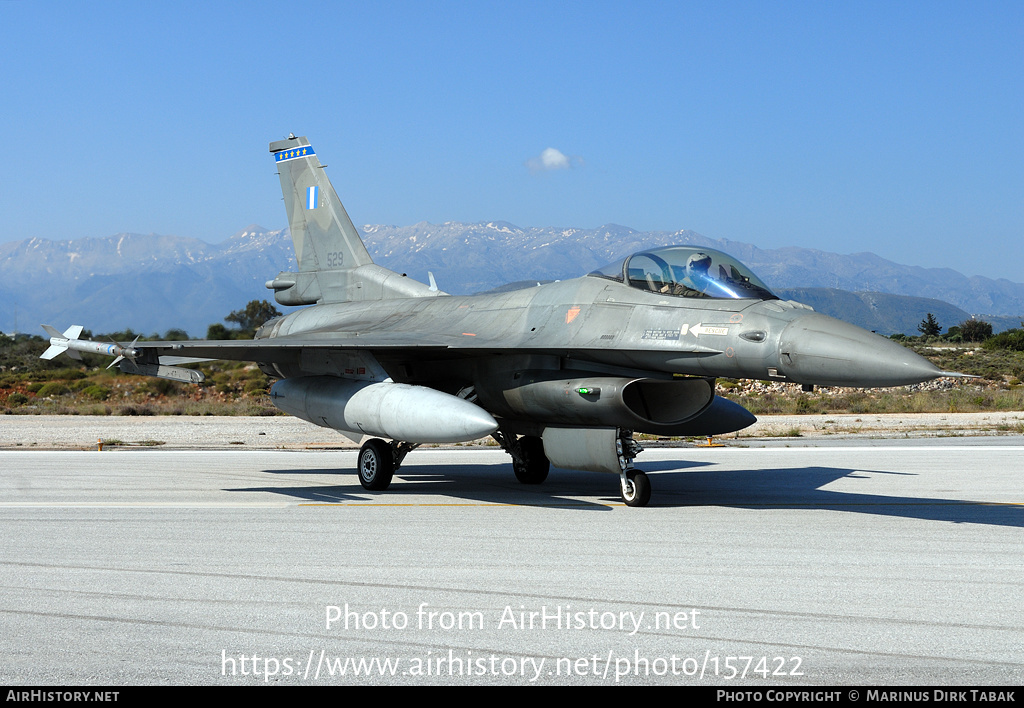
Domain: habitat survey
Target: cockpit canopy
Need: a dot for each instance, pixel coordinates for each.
(687, 271)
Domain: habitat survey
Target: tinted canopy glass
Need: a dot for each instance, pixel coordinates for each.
(687, 271)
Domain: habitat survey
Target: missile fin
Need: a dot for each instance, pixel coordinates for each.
(53, 351)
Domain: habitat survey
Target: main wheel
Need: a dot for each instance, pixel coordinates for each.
(376, 465)
(637, 492)
(535, 465)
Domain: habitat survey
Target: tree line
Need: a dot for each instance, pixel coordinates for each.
(972, 330)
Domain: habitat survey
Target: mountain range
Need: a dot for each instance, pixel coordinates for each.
(152, 283)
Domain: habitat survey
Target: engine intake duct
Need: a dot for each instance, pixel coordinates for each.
(644, 405)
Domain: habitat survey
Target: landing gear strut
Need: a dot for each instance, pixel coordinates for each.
(378, 462)
(633, 484)
(529, 463)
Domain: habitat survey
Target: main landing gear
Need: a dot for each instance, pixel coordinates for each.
(609, 451)
(533, 465)
(379, 460)
(529, 463)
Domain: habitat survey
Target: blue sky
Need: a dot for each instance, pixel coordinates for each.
(896, 128)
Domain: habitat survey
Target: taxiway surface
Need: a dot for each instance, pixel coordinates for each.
(889, 563)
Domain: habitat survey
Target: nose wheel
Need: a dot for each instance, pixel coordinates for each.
(635, 488)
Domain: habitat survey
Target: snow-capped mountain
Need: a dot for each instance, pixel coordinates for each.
(152, 283)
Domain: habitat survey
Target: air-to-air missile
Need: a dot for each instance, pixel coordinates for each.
(127, 356)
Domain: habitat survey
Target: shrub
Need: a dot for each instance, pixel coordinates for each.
(54, 388)
(1012, 339)
(256, 386)
(97, 393)
(65, 374)
(160, 387)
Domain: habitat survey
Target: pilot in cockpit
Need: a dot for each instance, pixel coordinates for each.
(697, 275)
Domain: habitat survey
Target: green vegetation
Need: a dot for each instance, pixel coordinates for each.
(970, 331)
(996, 365)
(965, 399)
(53, 388)
(248, 319)
(929, 327)
(974, 330)
(1010, 340)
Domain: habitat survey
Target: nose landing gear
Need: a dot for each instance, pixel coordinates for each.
(635, 488)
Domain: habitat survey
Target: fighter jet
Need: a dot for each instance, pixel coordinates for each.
(560, 374)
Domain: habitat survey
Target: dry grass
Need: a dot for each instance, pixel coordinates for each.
(967, 398)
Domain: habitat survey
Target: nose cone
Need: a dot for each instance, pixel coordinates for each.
(816, 349)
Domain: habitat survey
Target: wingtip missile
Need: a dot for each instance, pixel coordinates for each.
(126, 357)
(69, 342)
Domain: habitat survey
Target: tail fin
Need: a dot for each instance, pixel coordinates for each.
(334, 265)
(59, 342)
(324, 236)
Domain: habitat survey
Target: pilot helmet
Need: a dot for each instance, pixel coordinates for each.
(698, 263)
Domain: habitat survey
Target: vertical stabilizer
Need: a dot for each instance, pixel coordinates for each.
(334, 265)
(324, 235)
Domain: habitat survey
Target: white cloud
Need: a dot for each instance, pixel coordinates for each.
(551, 159)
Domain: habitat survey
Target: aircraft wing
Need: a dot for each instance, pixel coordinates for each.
(161, 358)
(277, 349)
(281, 349)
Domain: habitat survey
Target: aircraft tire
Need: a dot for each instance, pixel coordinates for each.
(376, 465)
(535, 466)
(639, 492)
